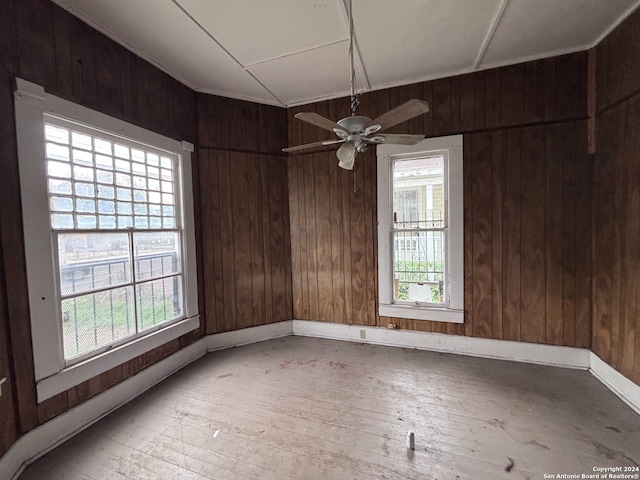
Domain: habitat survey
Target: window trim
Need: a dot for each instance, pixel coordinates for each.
(454, 311)
(52, 377)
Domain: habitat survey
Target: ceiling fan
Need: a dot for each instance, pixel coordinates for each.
(356, 132)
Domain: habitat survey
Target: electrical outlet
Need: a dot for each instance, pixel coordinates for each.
(392, 326)
(363, 334)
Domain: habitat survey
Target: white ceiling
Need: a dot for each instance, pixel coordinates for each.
(291, 52)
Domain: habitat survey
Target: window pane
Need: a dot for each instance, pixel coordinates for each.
(98, 319)
(156, 254)
(92, 261)
(418, 193)
(106, 192)
(121, 151)
(80, 140)
(61, 221)
(106, 206)
(61, 204)
(418, 266)
(124, 194)
(57, 169)
(83, 173)
(102, 146)
(86, 221)
(85, 189)
(84, 205)
(419, 205)
(158, 301)
(104, 177)
(104, 162)
(60, 186)
(82, 158)
(123, 165)
(107, 221)
(56, 134)
(57, 152)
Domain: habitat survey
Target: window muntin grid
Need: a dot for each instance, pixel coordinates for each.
(419, 229)
(96, 181)
(114, 217)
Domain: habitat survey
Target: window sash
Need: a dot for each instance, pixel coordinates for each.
(453, 310)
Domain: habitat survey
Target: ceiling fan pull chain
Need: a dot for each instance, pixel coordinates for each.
(355, 189)
(355, 101)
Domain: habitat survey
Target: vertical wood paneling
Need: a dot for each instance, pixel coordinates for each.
(519, 258)
(559, 228)
(497, 233)
(257, 263)
(245, 217)
(512, 95)
(36, 48)
(358, 261)
(311, 252)
(107, 61)
(207, 236)
(616, 203)
(583, 235)
(441, 106)
(511, 236)
(227, 232)
(532, 236)
(338, 246)
(323, 234)
(239, 212)
(481, 152)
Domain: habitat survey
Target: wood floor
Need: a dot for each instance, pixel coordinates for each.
(305, 408)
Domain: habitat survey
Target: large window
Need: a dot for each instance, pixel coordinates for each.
(108, 219)
(420, 230)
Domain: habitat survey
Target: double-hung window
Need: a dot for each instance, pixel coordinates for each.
(420, 230)
(108, 218)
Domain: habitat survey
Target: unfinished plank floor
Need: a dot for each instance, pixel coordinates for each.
(306, 408)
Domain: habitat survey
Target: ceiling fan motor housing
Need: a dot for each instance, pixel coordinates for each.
(354, 124)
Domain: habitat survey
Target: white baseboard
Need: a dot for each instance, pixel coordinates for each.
(245, 336)
(567, 357)
(624, 388)
(49, 435)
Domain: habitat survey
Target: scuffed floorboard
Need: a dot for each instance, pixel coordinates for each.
(305, 408)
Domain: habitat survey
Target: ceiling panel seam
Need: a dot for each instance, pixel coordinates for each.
(215, 40)
(297, 52)
(492, 30)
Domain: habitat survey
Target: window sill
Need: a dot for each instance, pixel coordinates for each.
(81, 372)
(422, 313)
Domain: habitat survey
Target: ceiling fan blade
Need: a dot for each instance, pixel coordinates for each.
(346, 155)
(397, 139)
(311, 145)
(400, 114)
(319, 121)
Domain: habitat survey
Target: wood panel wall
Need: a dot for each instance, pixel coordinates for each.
(42, 43)
(527, 216)
(616, 201)
(245, 218)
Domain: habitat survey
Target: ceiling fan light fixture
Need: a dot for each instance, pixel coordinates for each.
(357, 131)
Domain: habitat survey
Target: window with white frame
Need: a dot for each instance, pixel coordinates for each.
(420, 229)
(109, 238)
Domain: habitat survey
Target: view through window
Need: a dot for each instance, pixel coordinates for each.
(419, 229)
(116, 225)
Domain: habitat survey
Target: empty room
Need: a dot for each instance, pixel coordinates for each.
(319, 239)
